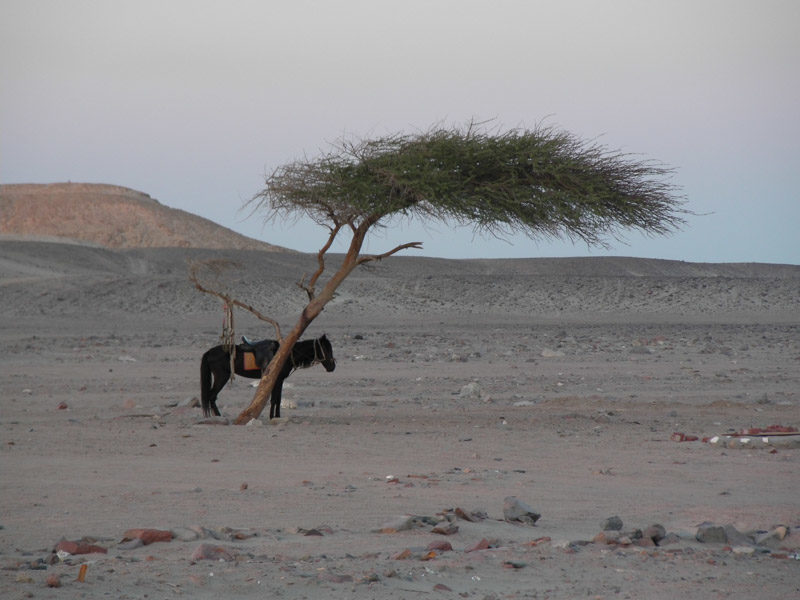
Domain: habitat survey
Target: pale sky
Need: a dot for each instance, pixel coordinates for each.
(194, 101)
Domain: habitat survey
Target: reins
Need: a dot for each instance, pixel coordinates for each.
(228, 336)
(313, 361)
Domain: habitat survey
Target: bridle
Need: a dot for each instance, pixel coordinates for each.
(318, 358)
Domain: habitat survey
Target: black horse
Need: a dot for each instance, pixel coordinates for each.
(251, 361)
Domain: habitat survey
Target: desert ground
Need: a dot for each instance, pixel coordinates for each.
(576, 386)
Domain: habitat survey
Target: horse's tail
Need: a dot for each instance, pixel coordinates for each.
(205, 385)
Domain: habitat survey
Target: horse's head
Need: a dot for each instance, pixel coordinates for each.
(326, 351)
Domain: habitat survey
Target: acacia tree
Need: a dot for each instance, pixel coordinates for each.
(542, 182)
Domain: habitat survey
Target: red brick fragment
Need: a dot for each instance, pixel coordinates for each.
(148, 536)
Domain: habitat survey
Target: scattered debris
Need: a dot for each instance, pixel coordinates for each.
(82, 573)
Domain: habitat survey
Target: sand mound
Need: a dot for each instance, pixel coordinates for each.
(110, 216)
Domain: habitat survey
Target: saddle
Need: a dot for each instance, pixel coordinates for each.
(262, 352)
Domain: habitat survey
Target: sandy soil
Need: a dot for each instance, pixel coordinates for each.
(559, 382)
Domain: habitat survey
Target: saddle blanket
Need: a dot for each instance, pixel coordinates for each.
(249, 361)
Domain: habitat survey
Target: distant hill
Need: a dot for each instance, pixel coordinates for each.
(110, 216)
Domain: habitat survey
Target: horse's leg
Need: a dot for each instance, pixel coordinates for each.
(275, 399)
(221, 377)
(206, 378)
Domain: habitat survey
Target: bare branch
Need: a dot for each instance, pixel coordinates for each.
(321, 262)
(193, 268)
(374, 257)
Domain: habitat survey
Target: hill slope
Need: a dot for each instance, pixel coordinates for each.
(111, 216)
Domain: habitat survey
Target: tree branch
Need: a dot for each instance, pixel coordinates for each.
(309, 289)
(374, 257)
(232, 301)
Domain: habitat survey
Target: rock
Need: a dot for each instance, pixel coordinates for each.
(464, 515)
(655, 532)
(228, 533)
(709, 533)
(538, 541)
(471, 391)
(484, 544)
(473, 516)
(773, 537)
(445, 528)
(644, 542)
(130, 544)
(679, 436)
(612, 524)
(780, 532)
(79, 547)
(401, 523)
(734, 537)
(213, 552)
(53, 580)
(440, 546)
(147, 536)
(370, 577)
(607, 537)
(515, 509)
(670, 538)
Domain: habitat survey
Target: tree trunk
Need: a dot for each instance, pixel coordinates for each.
(310, 312)
(270, 377)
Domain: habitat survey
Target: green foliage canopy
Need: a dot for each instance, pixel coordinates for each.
(542, 182)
